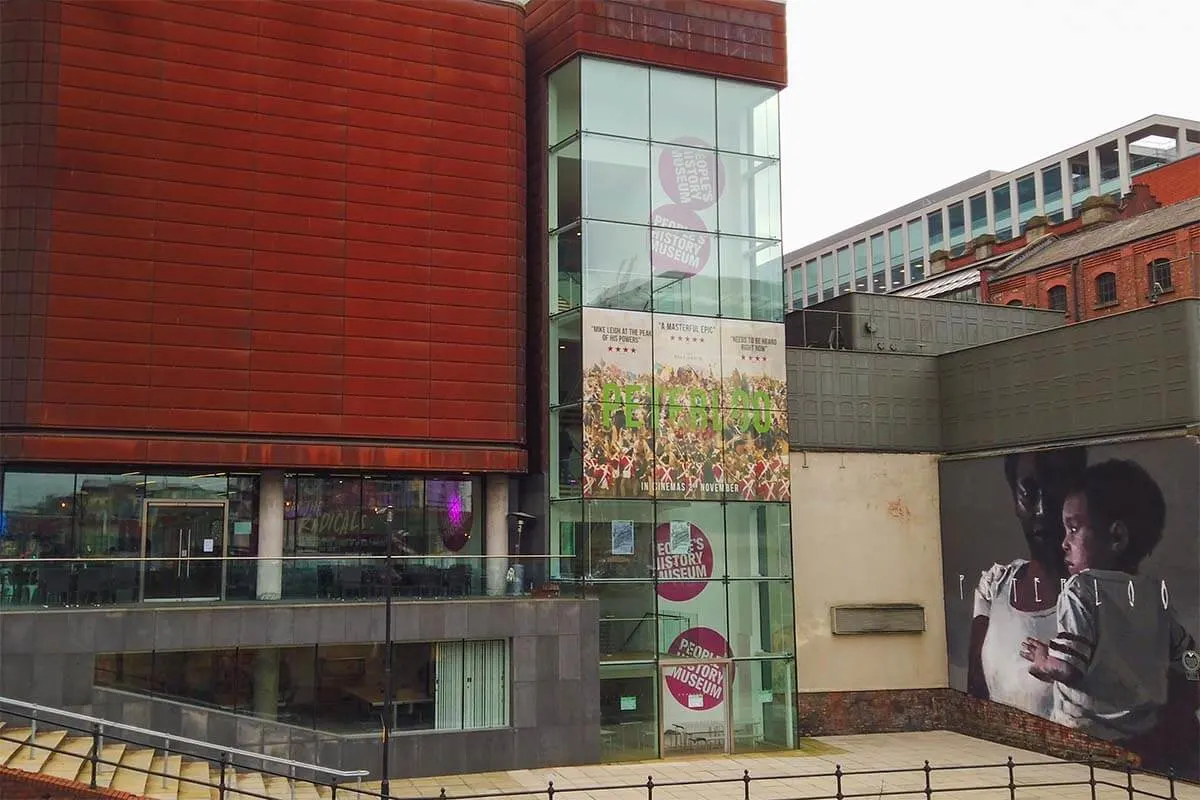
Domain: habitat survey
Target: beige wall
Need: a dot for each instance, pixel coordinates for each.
(865, 530)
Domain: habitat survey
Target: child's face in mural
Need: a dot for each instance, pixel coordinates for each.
(1086, 545)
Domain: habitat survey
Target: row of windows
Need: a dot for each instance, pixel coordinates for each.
(955, 226)
(1158, 272)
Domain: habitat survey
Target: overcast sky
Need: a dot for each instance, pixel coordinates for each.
(888, 101)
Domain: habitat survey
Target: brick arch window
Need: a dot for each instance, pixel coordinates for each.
(1106, 288)
(1056, 298)
(1160, 272)
(1014, 303)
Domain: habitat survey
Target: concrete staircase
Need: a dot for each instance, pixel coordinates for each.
(150, 773)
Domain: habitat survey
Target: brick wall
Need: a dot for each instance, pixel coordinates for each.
(1174, 182)
(19, 785)
(890, 711)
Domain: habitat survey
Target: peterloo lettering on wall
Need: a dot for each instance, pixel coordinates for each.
(698, 687)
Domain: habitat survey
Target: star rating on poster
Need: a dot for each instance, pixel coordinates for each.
(688, 339)
(612, 349)
(761, 359)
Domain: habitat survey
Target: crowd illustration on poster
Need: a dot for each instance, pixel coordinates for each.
(1072, 580)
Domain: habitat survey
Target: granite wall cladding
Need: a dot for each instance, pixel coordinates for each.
(47, 657)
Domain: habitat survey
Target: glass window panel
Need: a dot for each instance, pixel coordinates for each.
(1081, 180)
(677, 622)
(1052, 193)
(566, 452)
(1002, 209)
(860, 266)
(563, 91)
(325, 516)
(616, 180)
(685, 266)
(1026, 199)
(761, 618)
(687, 182)
(749, 201)
(109, 513)
(683, 108)
(764, 705)
(565, 201)
(1110, 169)
(747, 119)
(758, 540)
(243, 509)
(828, 275)
(616, 98)
(566, 359)
(878, 263)
(958, 230)
(568, 540)
(616, 266)
(451, 516)
(566, 269)
(933, 225)
(620, 539)
(978, 205)
(628, 624)
(628, 712)
(812, 279)
(916, 249)
(690, 547)
(896, 255)
(393, 507)
(751, 279)
(844, 270)
(38, 513)
(210, 486)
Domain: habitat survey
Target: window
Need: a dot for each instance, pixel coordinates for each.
(860, 266)
(1052, 193)
(828, 276)
(564, 102)
(916, 250)
(812, 282)
(1002, 209)
(616, 98)
(878, 264)
(933, 224)
(896, 250)
(1057, 298)
(1014, 303)
(1106, 289)
(843, 262)
(958, 230)
(1160, 274)
(978, 205)
(1026, 200)
(683, 107)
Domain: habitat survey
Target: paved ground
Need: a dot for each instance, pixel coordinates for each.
(791, 773)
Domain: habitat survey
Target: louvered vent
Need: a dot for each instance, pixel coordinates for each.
(882, 618)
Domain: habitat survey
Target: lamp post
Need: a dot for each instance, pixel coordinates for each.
(388, 691)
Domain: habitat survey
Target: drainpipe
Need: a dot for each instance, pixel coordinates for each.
(1077, 300)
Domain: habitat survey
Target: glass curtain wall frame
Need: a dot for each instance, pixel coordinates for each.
(1002, 211)
(916, 250)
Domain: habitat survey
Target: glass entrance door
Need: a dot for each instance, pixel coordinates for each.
(184, 545)
(696, 709)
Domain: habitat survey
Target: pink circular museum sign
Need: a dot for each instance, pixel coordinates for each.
(698, 687)
(690, 176)
(684, 557)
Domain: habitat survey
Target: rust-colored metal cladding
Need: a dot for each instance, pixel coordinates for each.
(232, 222)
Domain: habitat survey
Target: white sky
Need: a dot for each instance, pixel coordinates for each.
(888, 101)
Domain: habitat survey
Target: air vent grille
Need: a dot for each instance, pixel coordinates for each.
(879, 618)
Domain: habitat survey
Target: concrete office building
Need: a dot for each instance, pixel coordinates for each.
(278, 286)
(893, 250)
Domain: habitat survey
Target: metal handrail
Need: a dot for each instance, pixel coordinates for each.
(95, 723)
(33, 562)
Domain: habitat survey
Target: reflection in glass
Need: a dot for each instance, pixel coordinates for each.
(324, 514)
(620, 539)
(564, 202)
(958, 230)
(844, 270)
(860, 266)
(828, 276)
(747, 119)
(933, 226)
(1052, 193)
(616, 98)
(678, 289)
(978, 206)
(38, 510)
(628, 711)
(212, 486)
(749, 204)
(568, 539)
(566, 269)
(109, 514)
(628, 626)
(616, 266)
(751, 279)
(451, 518)
(1002, 211)
(616, 179)
(916, 250)
(761, 618)
(759, 540)
(683, 106)
(566, 452)
(1026, 200)
(566, 359)
(563, 88)
(812, 280)
(878, 264)
(764, 705)
(896, 254)
(393, 507)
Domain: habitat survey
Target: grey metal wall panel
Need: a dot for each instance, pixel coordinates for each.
(555, 692)
(1129, 372)
(844, 400)
(892, 324)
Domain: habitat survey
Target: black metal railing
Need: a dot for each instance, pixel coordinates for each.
(1014, 779)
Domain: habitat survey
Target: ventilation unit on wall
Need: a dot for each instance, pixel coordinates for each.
(878, 618)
